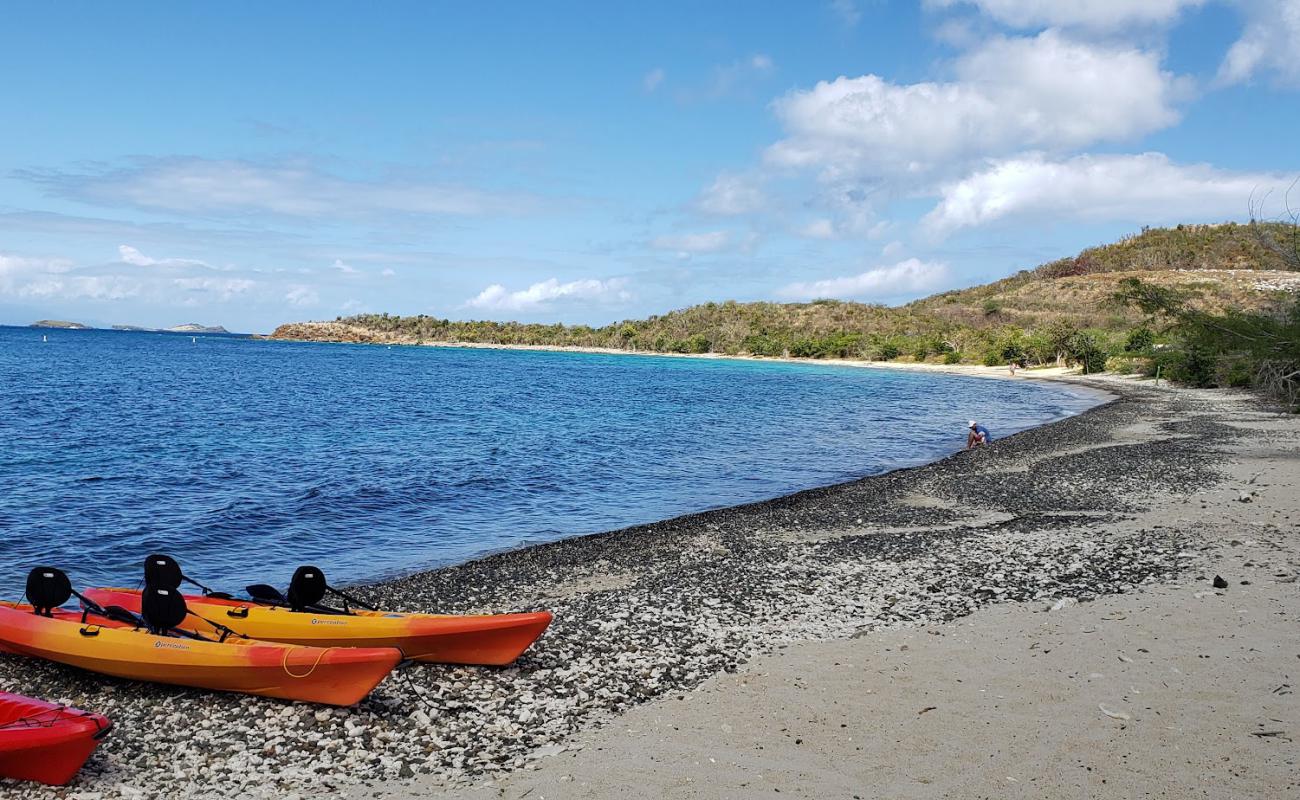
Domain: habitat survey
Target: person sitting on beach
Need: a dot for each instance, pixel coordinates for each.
(978, 435)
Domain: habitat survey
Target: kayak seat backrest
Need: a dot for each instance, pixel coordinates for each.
(47, 589)
(307, 588)
(162, 571)
(162, 609)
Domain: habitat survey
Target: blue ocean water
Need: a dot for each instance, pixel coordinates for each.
(244, 458)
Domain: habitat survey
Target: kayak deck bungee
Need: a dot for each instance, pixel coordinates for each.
(489, 639)
(117, 642)
(46, 742)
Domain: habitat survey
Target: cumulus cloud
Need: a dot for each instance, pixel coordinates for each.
(731, 195)
(550, 292)
(708, 242)
(1270, 42)
(209, 187)
(1095, 14)
(904, 278)
(346, 269)
(63, 279)
(1046, 92)
(1147, 187)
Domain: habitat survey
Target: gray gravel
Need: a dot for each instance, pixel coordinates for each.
(652, 611)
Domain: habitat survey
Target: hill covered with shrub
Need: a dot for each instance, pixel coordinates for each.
(1063, 311)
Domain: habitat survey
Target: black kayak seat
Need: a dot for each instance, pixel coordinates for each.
(47, 589)
(162, 609)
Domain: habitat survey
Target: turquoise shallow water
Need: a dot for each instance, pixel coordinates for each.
(245, 458)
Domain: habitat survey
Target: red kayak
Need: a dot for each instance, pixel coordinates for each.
(45, 742)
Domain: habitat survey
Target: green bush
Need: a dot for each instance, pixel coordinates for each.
(1085, 349)
(885, 350)
(952, 357)
(698, 343)
(1130, 365)
(1139, 340)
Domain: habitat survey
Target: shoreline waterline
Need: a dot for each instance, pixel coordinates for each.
(1103, 396)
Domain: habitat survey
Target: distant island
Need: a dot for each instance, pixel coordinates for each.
(194, 327)
(189, 327)
(59, 323)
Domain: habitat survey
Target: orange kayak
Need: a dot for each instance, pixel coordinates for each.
(490, 639)
(334, 676)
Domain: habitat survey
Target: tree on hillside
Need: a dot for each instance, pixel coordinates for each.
(1232, 348)
(1286, 243)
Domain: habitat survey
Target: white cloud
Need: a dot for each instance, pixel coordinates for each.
(550, 292)
(302, 296)
(904, 278)
(206, 187)
(818, 229)
(709, 242)
(847, 11)
(1141, 188)
(653, 79)
(221, 289)
(1046, 91)
(727, 79)
(132, 256)
(14, 266)
(731, 195)
(1095, 14)
(346, 269)
(388, 272)
(1270, 41)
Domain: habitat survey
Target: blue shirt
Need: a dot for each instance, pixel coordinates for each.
(983, 431)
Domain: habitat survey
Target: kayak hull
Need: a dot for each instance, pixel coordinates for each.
(45, 742)
(489, 639)
(332, 676)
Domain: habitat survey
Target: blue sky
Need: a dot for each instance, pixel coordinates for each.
(247, 164)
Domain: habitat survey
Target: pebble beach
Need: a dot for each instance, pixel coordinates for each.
(1138, 497)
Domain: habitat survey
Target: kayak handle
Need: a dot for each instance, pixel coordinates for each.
(238, 613)
(90, 630)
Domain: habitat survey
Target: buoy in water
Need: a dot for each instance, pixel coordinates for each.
(45, 338)
(194, 340)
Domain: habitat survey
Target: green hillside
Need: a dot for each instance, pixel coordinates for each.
(1031, 316)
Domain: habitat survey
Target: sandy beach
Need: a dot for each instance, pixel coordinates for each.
(1033, 619)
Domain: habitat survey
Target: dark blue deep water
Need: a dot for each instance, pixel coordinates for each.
(245, 458)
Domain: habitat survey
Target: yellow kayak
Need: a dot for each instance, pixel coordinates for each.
(298, 617)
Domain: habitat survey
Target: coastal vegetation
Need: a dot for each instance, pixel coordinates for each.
(1079, 311)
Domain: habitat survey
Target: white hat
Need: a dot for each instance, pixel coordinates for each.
(972, 424)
